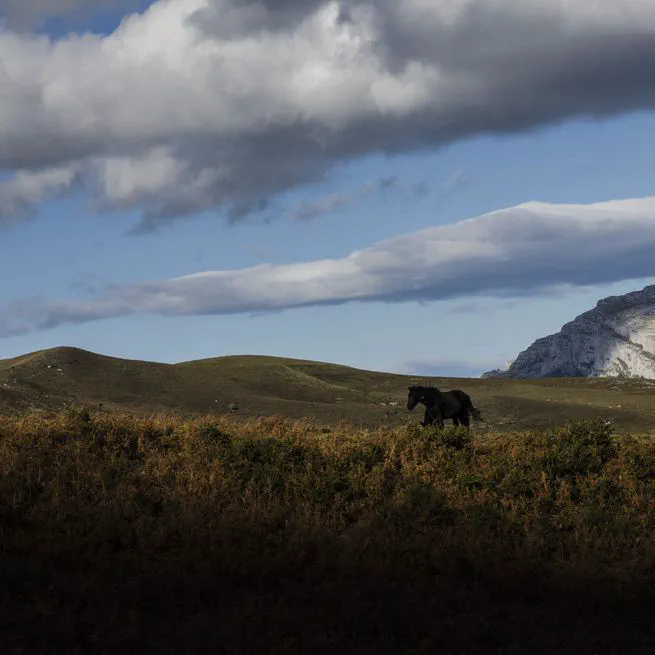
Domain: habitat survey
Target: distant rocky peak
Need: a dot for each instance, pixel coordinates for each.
(615, 338)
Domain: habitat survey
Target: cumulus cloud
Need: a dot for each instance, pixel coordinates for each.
(526, 249)
(20, 193)
(240, 100)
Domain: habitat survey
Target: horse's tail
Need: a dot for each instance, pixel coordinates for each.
(475, 413)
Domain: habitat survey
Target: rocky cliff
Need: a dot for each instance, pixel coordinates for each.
(616, 338)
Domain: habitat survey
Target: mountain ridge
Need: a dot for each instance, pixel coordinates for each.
(616, 338)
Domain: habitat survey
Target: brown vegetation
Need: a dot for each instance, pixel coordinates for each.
(165, 535)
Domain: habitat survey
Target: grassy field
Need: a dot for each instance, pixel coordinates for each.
(138, 513)
(50, 380)
(218, 534)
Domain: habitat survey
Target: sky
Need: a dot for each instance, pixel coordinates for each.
(413, 186)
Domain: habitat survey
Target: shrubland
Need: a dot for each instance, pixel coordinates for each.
(171, 535)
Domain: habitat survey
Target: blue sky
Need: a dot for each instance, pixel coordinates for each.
(96, 234)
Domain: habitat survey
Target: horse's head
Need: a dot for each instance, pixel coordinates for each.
(414, 396)
(418, 394)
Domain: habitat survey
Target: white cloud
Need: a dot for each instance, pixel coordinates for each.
(248, 99)
(20, 193)
(530, 248)
(126, 180)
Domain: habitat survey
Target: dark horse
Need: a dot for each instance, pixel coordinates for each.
(439, 405)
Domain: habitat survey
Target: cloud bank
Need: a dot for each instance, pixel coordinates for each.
(224, 104)
(521, 250)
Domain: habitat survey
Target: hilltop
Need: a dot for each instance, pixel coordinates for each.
(50, 380)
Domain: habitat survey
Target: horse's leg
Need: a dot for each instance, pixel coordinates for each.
(464, 418)
(427, 418)
(451, 407)
(434, 415)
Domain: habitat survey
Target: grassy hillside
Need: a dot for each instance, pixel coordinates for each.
(329, 393)
(162, 535)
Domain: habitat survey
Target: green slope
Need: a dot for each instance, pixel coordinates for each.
(262, 385)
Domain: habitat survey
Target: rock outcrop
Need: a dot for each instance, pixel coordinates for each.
(615, 339)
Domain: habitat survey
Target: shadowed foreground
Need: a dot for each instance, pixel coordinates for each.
(275, 536)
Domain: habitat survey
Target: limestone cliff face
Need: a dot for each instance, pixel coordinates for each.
(616, 338)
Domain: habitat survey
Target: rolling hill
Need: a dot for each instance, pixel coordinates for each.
(49, 380)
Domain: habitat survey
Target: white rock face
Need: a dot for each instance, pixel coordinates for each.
(498, 372)
(616, 338)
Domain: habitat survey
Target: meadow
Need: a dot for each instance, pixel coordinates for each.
(170, 534)
(327, 394)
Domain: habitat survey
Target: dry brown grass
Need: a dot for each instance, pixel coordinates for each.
(165, 535)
